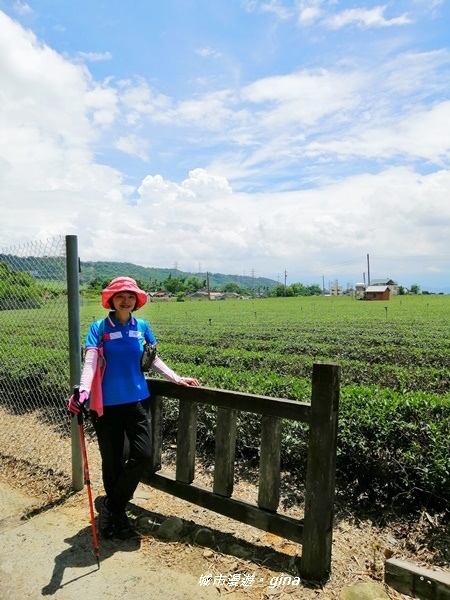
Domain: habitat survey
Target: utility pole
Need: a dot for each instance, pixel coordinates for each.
(285, 275)
(207, 285)
(368, 271)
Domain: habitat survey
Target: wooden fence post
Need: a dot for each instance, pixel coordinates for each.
(225, 452)
(156, 411)
(320, 473)
(186, 440)
(269, 464)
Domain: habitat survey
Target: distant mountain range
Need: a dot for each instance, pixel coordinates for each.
(53, 268)
(151, 276)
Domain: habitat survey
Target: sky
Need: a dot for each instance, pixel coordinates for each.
(301, 140)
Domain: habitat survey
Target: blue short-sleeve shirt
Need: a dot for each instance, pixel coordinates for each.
(123, 381)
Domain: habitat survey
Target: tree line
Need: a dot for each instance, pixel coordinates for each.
(184, 286)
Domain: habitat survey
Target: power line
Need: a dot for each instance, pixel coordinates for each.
(410, 257)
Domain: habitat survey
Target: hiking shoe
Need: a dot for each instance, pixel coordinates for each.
(98, 502)
(106, 520)
(123, 529)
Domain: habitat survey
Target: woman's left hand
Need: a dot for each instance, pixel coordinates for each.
(189, 381)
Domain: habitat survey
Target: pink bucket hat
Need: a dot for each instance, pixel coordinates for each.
(123, 284)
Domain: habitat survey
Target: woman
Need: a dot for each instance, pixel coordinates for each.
(120, 404)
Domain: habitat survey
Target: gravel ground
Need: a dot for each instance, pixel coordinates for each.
(50, 553)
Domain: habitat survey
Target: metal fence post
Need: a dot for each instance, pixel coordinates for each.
(73, 305)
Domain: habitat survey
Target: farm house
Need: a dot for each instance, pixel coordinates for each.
(393, 285)
(377, 292)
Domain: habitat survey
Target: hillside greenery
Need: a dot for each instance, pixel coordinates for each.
(94, 276)
(154, 279)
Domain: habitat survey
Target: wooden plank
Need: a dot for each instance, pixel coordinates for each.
(186, 441)
(156, 415)
(225, 451)
(269, 463)
(245, 512)
(320, 473)
(415, 581)
(260, 405)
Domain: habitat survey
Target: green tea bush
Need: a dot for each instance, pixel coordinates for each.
(394, 448)
(394, 415)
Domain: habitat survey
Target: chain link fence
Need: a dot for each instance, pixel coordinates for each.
(35, 430)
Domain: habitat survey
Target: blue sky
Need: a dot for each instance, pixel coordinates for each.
(238, 136)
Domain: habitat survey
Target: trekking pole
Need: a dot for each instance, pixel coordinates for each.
(87, 480)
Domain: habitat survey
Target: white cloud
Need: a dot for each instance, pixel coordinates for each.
(45, 93)
(422, 134)
(319, 12)
(102, 101)
(276, 8)
(49, 111)
(133, 145)
(210, 111)
(204, 184)
(22, 8)
(365, 18)
(140, 100)
(207, 52)
(94, 56)
(429, 4)
(309, 11)
(154, 190)
(302, 98)
(305, 231)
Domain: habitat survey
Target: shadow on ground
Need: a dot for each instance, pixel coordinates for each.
(224, 543)
(81, 554)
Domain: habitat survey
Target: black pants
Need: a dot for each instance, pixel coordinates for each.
(125, 426)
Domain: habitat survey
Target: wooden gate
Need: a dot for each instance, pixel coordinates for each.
(315, 530)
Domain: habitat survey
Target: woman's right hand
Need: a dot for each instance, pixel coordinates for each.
(189, 381)
(76, 403)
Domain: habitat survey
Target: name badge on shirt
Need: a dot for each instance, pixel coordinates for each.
(115, 335)
(135, 334)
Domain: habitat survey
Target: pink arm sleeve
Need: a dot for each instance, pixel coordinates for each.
(161, 368)
(90, 365)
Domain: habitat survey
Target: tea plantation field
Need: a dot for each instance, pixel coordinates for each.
(394, 425)
(394, 413)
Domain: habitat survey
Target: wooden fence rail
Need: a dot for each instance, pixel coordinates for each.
(315, 530)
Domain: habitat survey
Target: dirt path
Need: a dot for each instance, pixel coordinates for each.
(51, 554)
